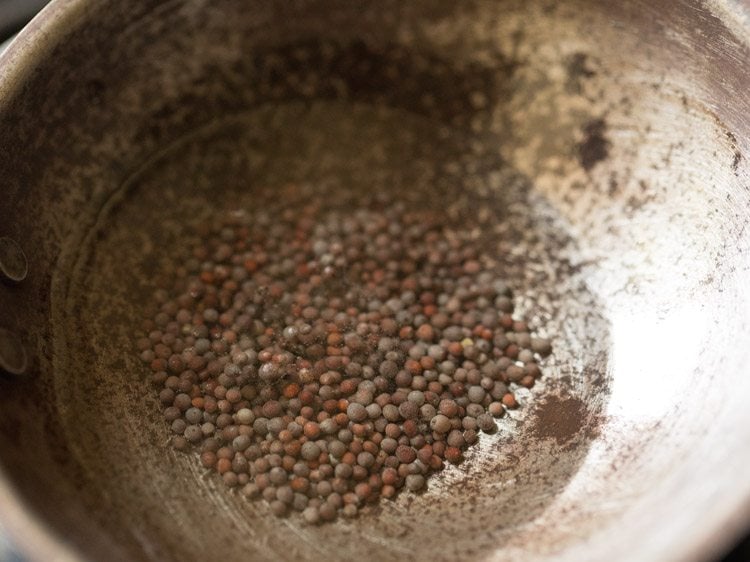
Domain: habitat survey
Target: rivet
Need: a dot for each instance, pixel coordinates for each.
(13, 264)
(13, 358)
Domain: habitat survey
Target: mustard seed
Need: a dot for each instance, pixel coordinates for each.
(278, 508)
(486, 423)
(327, 512)
(453, 455)
(311, 515)
(408, 410)
(193, 415)
(300, 502)
(470, 436)
(365, 459)
(496, 409)
(455, 439)
(356, 412)
(476, 394)
(405, 454)
(277, 476)
(474, 410)
(310, 451)
(180, 443)
(440, 424)
(193, 433)
(541, 346)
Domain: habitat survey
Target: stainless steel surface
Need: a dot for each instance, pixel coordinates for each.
(630, 121)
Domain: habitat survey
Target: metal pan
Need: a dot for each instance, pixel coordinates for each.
(627, 244)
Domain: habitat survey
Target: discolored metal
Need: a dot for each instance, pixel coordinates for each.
(611, 135)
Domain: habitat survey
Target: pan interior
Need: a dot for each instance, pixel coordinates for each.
(333, 145)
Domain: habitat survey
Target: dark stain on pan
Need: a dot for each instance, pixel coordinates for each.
(595, 146)
(736, 160)
(578, 70)
(560, 418)
(737, 155)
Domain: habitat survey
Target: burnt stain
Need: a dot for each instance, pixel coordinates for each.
(595, 146)
(578, 70)
(391, 74)
(737, 155)
(613, 186)
(708, 280)
(635, 203)
(736, 160)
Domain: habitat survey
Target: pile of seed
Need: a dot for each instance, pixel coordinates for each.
(323, 357)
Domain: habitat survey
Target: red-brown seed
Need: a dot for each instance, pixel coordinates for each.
(405, 454)
(425, 333)
(312, 430)
(223, 465)
(388, 492)
(389, 476)
(453, 455)
(509, 401)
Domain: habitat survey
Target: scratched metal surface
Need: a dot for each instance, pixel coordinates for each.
(630, 126)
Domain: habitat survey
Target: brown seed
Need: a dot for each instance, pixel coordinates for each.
(413, 367)
(440, 423)
(448, 408)
(357, 412)
(291, 390)
(509, 401)
(389, 476)
(541, 346)
(455, 349)
(425, 454)
(453, 455)
(312, 430)
(223, 465)
(408, 410)
(527, 381)
(425, 333)
(208, 459)
(410, 428)
(496, 409)
(388, 492)
(363, 491)
(405, 454)
(299, 484)
(486, 423)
